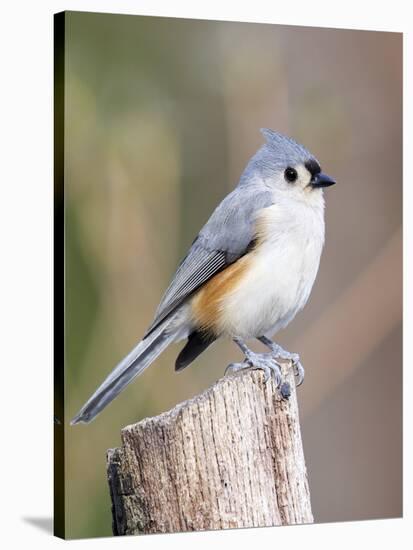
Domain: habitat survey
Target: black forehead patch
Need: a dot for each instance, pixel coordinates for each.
(313, 167)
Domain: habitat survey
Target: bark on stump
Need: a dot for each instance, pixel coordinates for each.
(230, 457)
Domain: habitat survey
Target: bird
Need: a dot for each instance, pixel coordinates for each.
(247, 274)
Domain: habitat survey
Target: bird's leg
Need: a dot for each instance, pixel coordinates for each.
(280, 353)
(262, 361)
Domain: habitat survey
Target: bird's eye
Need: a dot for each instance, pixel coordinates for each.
(290, 174)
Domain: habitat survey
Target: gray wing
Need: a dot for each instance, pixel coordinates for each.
(225, 237)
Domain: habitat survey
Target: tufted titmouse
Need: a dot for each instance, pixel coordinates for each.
(247, 274)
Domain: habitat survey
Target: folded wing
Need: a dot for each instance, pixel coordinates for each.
(223, 240)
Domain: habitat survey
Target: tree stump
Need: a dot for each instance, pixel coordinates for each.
(230, 457)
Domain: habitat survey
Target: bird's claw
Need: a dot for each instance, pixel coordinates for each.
(268, 364)
(235, 367)
(261, 361)
(299, 372)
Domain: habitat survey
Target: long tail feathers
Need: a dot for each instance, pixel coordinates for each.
(142, 355)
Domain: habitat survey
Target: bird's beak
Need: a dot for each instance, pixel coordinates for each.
(321, 180)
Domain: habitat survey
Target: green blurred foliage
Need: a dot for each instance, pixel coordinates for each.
(82, 298)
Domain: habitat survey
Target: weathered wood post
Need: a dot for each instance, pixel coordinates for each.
(230, 457)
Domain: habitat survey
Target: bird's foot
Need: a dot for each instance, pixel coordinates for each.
(280, 354)
(298, 368)
(261, 361)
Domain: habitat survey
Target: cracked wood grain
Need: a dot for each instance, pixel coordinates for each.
(230, 457)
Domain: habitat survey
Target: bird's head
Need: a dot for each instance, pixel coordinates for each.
(289, 168)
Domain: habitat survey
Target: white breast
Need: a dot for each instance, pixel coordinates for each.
(282, 271)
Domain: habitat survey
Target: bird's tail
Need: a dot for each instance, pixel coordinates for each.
(142, 355)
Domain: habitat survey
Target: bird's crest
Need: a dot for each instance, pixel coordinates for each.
(285, 147)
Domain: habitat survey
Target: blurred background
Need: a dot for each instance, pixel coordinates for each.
(162, 116)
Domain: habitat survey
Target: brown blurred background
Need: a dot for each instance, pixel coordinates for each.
(161, 117)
